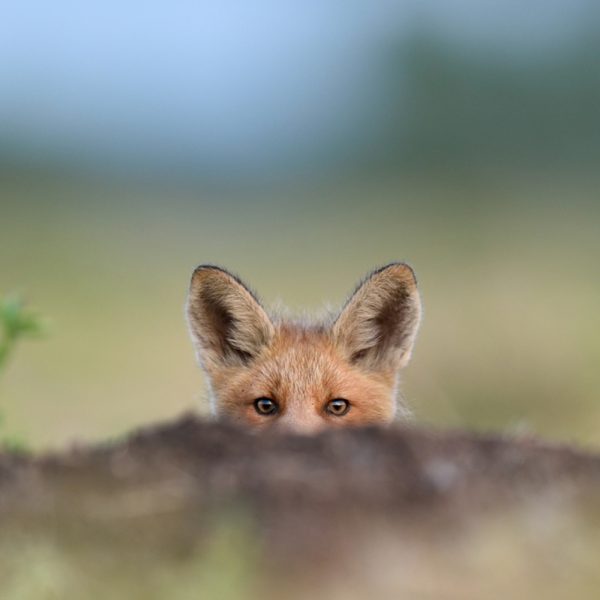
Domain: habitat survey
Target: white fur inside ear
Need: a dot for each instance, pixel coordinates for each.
(379, 323)
(226, 321)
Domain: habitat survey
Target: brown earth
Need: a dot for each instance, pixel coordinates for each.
(346, 509)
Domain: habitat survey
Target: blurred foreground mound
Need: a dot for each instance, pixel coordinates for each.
(199, 510)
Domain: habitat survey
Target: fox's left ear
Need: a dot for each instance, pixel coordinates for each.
(378, 325)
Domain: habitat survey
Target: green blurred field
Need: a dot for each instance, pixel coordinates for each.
(508, 267)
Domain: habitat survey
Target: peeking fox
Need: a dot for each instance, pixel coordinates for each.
(266, 371)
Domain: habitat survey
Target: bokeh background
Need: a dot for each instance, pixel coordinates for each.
(300, 145)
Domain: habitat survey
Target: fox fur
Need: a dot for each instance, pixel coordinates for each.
(305, 374)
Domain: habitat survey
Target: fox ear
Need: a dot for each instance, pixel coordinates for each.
(226, 321)
(378, 325)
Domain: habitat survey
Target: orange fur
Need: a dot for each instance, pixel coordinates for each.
(248, 355)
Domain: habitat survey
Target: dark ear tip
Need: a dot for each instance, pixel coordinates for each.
(401, 270)
(201, 272)
(209, 267)
(216, 277)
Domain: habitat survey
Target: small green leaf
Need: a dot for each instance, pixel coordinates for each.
(17, 320)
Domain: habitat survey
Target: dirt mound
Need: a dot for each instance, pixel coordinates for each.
(165, 492)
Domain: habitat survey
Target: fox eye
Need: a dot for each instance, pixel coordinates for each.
(338, 407)
(266, 406)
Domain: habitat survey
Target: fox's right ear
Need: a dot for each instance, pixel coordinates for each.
(227, 323)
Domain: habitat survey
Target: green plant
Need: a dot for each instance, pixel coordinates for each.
(16, 322)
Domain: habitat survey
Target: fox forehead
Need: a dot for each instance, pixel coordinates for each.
(298, 361)
(303, 368)
(301, 362)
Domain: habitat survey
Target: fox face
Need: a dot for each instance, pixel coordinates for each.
(265, 371)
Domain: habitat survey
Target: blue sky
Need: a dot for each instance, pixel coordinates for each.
(236, 82)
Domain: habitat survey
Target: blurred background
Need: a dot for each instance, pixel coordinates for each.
(300, 145)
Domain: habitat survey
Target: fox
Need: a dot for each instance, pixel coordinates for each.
(268, 371)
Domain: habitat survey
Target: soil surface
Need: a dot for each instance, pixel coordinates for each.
(192, 463)
(301, 500)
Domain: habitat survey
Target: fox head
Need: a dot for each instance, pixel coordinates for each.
(264, 371)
